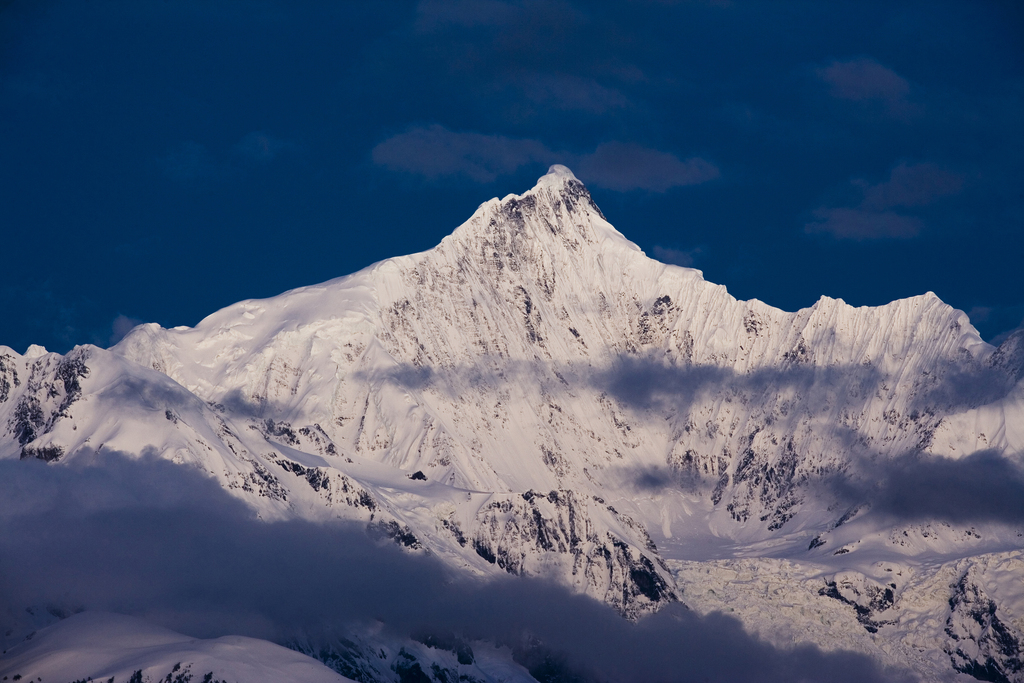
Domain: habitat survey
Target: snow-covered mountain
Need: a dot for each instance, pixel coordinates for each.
(536, 396)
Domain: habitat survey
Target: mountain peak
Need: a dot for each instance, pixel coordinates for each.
(557, 171)
(558, 208)
(560, 180)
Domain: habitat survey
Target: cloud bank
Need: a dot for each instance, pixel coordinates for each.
(153, 539)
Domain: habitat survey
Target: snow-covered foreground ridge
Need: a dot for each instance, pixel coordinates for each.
(114, 647)
(536, 396)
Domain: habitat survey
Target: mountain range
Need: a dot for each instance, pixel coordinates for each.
(537, 397)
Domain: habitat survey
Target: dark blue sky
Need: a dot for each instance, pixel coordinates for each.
(159, 160)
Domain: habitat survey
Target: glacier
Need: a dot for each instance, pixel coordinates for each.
(535, 396)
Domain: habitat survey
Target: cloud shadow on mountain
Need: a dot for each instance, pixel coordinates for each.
(648, 382)
(147, 537)
(643, 382)
(910, 486)
(635, 382)
(985, 486)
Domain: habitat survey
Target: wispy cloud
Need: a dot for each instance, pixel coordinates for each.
(678, 257)
(121, 326)
(865, 80)
(979, 314)
(435, 152)
(858, 224)
(985, 486)
(909, 186)
(624, 167)
(1006, 318)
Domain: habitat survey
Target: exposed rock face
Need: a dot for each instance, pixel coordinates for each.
(980, 642)
(53, 386)
(536, 393)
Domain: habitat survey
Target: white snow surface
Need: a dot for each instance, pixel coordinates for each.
(569, 407)
(102, 646)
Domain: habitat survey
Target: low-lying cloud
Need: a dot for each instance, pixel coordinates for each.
(981, 487)
(153, 539)
(647, 383)
(435, 152)
(985, 486)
